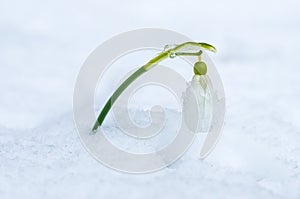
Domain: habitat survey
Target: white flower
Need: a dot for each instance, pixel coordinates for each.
(197, 104)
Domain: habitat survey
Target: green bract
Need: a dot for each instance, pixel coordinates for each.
(178, 50)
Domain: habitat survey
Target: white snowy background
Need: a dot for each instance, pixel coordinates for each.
(44, 43)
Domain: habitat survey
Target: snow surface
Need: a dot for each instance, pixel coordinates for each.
(44, 43)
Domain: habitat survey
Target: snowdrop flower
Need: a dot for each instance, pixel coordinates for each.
(197, 104)
(184, 49)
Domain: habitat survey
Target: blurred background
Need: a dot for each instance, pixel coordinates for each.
(43, 45)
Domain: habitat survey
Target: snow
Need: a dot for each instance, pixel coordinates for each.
(43, 45)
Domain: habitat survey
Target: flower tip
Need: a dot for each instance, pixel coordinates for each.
(208, 47)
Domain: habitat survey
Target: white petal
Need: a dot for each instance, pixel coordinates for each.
(197, 105)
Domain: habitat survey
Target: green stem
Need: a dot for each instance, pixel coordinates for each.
(163, 55)
(115, 95)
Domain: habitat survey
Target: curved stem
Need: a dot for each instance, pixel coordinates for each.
(163, 55)
(115, 95)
